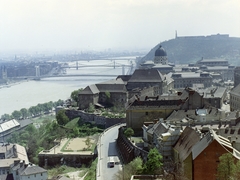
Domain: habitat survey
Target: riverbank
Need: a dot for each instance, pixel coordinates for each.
(10, 83)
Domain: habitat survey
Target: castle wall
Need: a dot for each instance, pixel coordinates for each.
(94, 118)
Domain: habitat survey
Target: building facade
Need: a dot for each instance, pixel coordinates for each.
(236, 76)
(108, 93)
(212, 62)
(235, 98)
(189, 79)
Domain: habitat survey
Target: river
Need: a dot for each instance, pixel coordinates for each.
(29, 93)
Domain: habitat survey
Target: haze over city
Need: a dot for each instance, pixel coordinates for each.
(39, 25)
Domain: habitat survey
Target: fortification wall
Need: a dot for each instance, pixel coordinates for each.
(127, 150)
(94, 118)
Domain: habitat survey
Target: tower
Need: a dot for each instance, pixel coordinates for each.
(4, 72)
(37, 71)
(160, 56)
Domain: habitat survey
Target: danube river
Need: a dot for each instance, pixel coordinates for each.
(29, 93)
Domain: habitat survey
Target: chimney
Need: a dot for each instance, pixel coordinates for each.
(179, 93)
(22, 163)
(155, 121)
(16, 162)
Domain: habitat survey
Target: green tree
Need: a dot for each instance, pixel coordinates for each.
(34, 110)
(60, 133)
(24, 112)
(76, 131)
(129, 132)
(108, 95)
(226, 167)
(154, 162)
(134, 167)
(50, 106)
(14, 137)
(40, 108)
(59, 103)
(91, 108)
(16, 114)
(236, 173)
(88, 142)
(61, 117)
(74, 95)
(32, 146)
(6, 117)
(31, 129)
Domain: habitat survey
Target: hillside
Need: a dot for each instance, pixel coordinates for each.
(189, 49)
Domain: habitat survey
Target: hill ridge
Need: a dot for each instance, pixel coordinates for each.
(190, 49)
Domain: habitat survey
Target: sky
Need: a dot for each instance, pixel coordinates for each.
(57, 25)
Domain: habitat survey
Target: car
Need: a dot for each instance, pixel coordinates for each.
(111, 162)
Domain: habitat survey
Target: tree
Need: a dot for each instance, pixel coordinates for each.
(31, 129)
(154, 162)
(24, 112)
(32, 110)
(91, 108)
(226, 167)
(61, 117)
(60, 133)
(134, 167)
(59, 103)
(50, 106)
(74, 95)
(88, 142)
(108, 95)
(16, 114)
(236, 172)
(6, 117)
(76, 131)
(129, 132)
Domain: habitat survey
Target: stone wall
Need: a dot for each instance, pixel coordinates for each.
(127, 150)
(73, 160)
(94, 118)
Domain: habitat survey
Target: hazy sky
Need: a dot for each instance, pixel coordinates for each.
(101, 24)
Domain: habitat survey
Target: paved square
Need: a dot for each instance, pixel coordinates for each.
(77, 144)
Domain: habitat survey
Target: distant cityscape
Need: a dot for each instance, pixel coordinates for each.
(189, 112)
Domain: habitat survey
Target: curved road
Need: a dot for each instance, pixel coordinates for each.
(107, 148)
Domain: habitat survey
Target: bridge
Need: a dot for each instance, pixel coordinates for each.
(60, 71)
(74, 75)
(113, 64)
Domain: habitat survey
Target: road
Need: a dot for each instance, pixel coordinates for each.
(107, 148)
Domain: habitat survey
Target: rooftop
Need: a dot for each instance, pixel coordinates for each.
(213, 60)
(7, 125)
